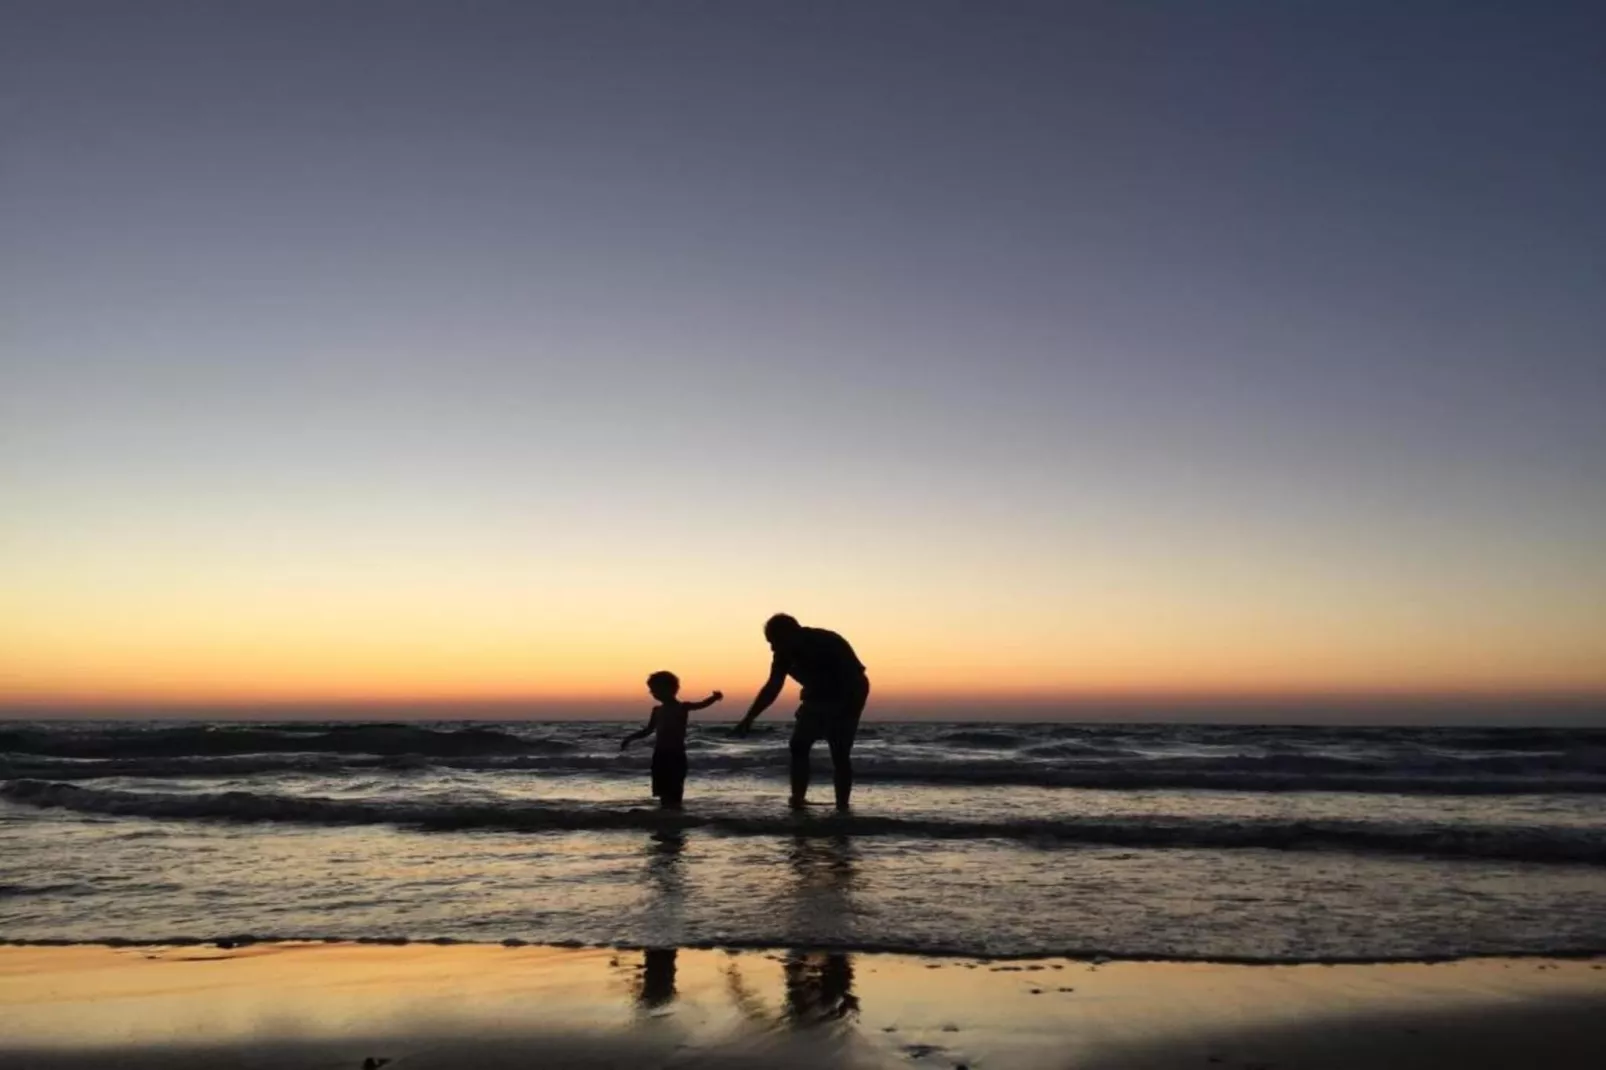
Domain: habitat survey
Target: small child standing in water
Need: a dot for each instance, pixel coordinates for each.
(668, 720)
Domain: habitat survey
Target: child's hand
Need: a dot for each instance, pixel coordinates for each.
(624, 744)
(718, 695)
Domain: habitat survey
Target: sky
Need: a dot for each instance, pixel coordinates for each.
(385, 352)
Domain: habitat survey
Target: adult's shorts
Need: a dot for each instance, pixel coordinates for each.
(834, 718)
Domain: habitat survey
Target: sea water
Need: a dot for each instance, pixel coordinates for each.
(1172, 841)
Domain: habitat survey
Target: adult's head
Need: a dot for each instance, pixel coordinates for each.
(781, 630)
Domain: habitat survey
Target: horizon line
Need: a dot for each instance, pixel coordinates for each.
(1319, 706)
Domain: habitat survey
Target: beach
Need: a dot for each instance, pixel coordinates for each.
(946, 536)
(1040, 896)
(422, 1006)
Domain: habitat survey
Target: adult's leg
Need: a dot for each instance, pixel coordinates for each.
(804, 732)
(841, 731)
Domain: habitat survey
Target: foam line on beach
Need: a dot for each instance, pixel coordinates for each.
(1280, 774)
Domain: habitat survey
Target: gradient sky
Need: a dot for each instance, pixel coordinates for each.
(487, 350)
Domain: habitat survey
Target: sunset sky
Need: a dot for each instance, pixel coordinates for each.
(396, 352)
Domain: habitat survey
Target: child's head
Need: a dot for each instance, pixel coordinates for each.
(664, 686)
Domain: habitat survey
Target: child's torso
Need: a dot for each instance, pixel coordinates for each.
(671, 735)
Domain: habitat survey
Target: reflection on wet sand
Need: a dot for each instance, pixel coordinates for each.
(657, 981)
(292, 1006)
(819, 985)
(819, 988)
(657, 978)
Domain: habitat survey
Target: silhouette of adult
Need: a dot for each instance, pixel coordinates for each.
(835, 690)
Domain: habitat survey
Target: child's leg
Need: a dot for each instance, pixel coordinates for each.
(673, 781)
(680, 781)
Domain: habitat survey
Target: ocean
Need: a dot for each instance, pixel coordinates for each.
(1238, 843)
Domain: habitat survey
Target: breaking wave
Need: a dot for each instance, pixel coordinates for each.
(1494, 775)
(1135, 757)
(1511, 843)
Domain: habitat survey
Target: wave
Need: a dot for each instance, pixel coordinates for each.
(1272, 773)
(1514, 843)
(1002, 739)
(18, 767)
(1243, 772)
(1128, 757)
(67, 888)
(219, 740)
(1073, 749)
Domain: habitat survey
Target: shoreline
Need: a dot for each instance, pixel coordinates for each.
(1079, 956)
(419, 1006)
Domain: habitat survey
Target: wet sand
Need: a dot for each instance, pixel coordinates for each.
(419, 1007)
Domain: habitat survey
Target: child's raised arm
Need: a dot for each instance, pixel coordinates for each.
(707, 702)
(652, 726)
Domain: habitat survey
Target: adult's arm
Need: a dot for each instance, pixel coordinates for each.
(766, 696)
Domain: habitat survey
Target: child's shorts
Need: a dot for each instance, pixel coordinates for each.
(669, 775)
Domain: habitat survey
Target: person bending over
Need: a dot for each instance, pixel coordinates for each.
(835, 690)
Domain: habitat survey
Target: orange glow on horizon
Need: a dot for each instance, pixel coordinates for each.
(360, 684)
(413, 657)
(230, 622)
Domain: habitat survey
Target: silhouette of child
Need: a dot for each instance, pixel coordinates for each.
(668, 720)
